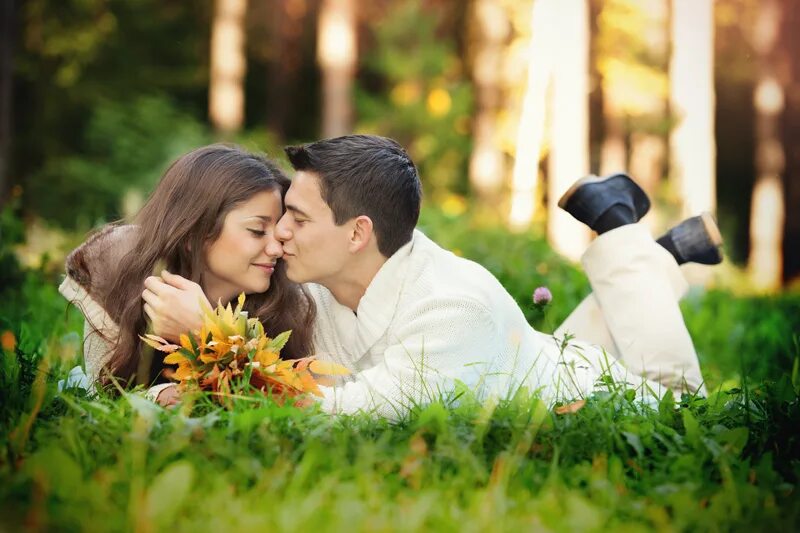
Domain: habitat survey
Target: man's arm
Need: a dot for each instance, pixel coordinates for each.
(442, 342)
(173, 304)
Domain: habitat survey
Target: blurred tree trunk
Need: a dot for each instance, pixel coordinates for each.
(649, 146)
(286, 21)
(6, 90)
(336, 53)
(530, 132)
(613, 151)
(569, 154)
(691, 75)
(491, 29)
(767, 208)
(791, 141)
(559, 54)
(228, 66)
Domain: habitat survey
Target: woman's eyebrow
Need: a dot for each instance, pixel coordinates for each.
(264, 218)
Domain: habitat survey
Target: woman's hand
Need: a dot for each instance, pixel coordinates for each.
(169, 396)
(173, 304)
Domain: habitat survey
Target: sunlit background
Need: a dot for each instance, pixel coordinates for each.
(502, 103)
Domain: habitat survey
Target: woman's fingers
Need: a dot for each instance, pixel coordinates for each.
(179, 282)
(155, 284)
(150, 297)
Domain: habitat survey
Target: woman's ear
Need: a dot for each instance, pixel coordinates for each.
(362, 233)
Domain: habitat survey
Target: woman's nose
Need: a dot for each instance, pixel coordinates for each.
(274, 248)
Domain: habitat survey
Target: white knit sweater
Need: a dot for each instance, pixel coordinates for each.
(430, 319)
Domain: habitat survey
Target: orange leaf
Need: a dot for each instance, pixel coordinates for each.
(570, 408)
(8, 341)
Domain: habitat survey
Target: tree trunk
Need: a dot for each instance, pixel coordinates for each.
(336, 53)
(286, 28)
(790, 38)
(487, 162)
(530, 132)
(569, 156)
(767, 209)
(6, 91)
(691, 74)
(648, 148)
(228, 66)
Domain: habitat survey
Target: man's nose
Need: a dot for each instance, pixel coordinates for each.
(282, 232)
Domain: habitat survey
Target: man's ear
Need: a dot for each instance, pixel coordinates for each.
(361, 234)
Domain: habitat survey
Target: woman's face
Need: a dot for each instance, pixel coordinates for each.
(243, 257)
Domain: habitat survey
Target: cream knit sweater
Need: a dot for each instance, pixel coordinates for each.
(430, 319)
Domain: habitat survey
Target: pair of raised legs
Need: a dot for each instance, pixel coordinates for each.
(633, 311)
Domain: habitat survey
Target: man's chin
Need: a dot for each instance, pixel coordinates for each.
(292, 275)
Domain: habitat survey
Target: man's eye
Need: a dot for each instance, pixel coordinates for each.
(257, 232)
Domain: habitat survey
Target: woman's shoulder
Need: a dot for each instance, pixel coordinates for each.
(94, 264)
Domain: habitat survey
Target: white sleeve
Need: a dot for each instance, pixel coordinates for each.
(440, 342)
(99, 331)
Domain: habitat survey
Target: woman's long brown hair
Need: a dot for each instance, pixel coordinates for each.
(182, 216)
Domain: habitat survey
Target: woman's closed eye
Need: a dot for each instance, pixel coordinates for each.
(257, 232)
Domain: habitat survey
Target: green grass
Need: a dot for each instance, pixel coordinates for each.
(728, 462)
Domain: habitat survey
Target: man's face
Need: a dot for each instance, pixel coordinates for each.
(314, 247)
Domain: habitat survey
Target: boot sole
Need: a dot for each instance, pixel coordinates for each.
(591, 178)
(640, 201)
(712, 229)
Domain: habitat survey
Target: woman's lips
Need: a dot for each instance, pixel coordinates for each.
(268, 268)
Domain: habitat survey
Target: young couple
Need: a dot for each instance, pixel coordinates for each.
(334, 256)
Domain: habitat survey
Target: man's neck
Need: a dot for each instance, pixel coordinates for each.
(350, 286)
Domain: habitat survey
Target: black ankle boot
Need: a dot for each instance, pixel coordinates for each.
(605, 203)
(695, 240)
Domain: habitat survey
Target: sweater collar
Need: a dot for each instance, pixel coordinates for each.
(378, 306)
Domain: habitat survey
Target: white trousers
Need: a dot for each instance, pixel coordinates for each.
(633, 311)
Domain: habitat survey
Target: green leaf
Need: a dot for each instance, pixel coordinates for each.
(666, 407)
(635, 442)
(734, 439)
(277, 344)
(692, 428)
(169, 489)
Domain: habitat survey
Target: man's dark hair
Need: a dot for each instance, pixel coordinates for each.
(366, 175)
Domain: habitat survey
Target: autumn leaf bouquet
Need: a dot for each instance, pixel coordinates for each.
(232, 355)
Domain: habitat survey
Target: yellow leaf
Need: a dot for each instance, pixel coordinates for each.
(265, 358)
(186, 342)
(174, 358)
(326, 381)
(328, 368)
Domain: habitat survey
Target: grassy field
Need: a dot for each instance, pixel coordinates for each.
(728, 462)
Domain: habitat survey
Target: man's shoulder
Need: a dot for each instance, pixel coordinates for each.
(435, 270)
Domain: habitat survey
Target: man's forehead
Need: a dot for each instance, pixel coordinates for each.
(304, 192)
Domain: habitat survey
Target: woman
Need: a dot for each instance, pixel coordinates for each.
(211, 220)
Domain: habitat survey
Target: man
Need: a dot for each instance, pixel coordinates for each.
(412, 320)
